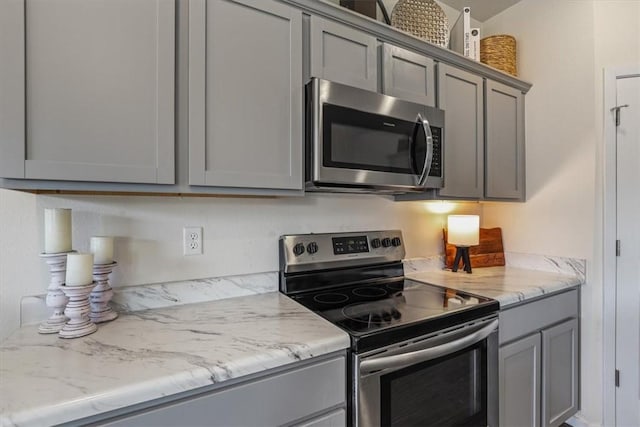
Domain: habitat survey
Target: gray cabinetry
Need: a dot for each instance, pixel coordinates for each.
(505, 157)
(559, 372)
(520, 383)
(342, 54)
(313, 393)
(460, 94)
(408, 75)
(245, 94)
(539, 361)
(87, 90)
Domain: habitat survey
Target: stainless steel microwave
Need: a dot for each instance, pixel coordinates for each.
(362, 141)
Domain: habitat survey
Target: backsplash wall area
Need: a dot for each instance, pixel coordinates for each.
(239, 234)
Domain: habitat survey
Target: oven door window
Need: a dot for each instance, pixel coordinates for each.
(358, 140)
(449, 391)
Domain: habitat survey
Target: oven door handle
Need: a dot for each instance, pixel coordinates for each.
(429, 155)
(401, 360)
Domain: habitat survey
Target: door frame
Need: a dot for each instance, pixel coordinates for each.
(611, 75)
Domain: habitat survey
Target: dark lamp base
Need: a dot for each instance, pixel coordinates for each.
(462, 253)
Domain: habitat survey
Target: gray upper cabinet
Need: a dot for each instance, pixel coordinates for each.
(408, 75)
(87, 90)
(342, 54)
(460, 94)
(559, 373)
(245, 94)
(505, 157)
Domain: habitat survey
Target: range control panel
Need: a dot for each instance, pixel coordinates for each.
(326, 250)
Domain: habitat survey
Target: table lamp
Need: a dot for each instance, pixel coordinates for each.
(463, 231)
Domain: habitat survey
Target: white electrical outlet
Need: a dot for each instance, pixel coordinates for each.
(192, 240)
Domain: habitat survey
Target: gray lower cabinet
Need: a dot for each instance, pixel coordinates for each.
(87, 90)
(559, 372)
(408, 75)
(539, 362)
(460, 94)
(343, 54)
(520, 377)
(504, 147)
(245, 94)
(310, 394)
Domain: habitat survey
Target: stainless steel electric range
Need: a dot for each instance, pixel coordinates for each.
(421, 355)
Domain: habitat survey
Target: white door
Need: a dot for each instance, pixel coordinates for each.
(628, 262)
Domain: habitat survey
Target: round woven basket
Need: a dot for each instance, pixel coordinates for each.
(499, 52)
(422, 18)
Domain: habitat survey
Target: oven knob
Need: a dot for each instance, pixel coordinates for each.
(375, 243)
(386, 316)
(396, 314)
(312, 247)
(298, 249)
(386, 242)
(396, 241)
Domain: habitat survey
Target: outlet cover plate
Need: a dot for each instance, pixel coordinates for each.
(192, 240)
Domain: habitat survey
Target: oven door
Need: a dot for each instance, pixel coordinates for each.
(362, 138)
(449, 379)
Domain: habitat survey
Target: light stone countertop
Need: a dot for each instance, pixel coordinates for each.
(145, 355)
(508, 285)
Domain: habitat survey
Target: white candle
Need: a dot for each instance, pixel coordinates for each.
(102, 249)
(79, 269)
(57, 230)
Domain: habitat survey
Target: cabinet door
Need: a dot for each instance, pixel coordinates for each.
(343, 54)
(460, 94)
(505, 157)
(408, 75)
(520, 383)
(559, 373)
(89, 90)
(245, 94)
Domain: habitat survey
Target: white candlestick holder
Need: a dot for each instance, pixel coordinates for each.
(77, 310)
(102, 294)
(56, 299)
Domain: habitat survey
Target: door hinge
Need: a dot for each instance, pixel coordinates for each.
(617, 112)
(617, 378)
(617, 247)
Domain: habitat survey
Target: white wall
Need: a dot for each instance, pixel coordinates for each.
(562, 49)
(240, 234)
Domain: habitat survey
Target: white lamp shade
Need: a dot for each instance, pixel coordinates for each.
(464, 230)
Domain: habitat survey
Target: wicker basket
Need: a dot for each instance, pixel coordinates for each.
(499, 52)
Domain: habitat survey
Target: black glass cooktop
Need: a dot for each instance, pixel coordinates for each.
(380, 313)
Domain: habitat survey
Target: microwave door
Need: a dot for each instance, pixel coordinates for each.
(422, 150)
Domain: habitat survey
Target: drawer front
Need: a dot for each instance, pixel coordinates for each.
(275, 400)
(534, 316)
(333, 419)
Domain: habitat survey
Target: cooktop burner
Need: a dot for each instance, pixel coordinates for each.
(377, 306)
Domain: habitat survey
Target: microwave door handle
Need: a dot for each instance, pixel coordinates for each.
(427, 159)
(407, 359)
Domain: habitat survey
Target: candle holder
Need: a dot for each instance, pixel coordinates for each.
(102, 294)
(56, 299)
(77, 310)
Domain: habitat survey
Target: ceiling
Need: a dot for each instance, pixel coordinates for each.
(481, 9)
